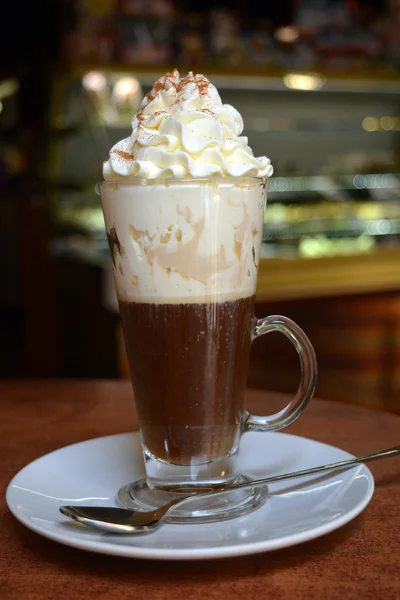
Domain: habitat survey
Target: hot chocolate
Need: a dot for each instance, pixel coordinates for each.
(183, 202)
(188, 363)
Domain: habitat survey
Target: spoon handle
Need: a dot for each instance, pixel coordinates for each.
(338, 465)
(118, 520)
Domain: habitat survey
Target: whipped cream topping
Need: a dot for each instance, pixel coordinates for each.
(183, 130)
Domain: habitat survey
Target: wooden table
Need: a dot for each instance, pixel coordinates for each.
(361, 560)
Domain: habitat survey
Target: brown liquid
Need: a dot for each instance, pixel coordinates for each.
(188, 365)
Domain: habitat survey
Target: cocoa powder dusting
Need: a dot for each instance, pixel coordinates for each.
(160, 83)
(203, 84)
(208, 112)
(122, 154)
(158, 87)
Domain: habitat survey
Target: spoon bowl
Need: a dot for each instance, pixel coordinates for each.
(117, 520)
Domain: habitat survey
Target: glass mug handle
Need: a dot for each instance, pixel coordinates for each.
(308, 363)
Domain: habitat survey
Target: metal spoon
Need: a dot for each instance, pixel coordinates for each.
(121, 520)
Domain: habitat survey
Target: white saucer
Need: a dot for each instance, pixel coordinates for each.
(91, 473)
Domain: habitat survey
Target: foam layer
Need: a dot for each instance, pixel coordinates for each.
(183, 130)
(185, 241)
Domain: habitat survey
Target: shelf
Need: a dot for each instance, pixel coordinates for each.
(325, 183)
(382, 81)
(290, 279)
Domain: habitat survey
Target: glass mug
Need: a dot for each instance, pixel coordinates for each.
(185, 257)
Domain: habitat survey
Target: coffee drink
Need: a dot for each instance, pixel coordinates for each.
(183, 202)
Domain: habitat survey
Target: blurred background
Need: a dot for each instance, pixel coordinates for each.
(317, 83)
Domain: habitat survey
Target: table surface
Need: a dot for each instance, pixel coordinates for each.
(361, 560)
